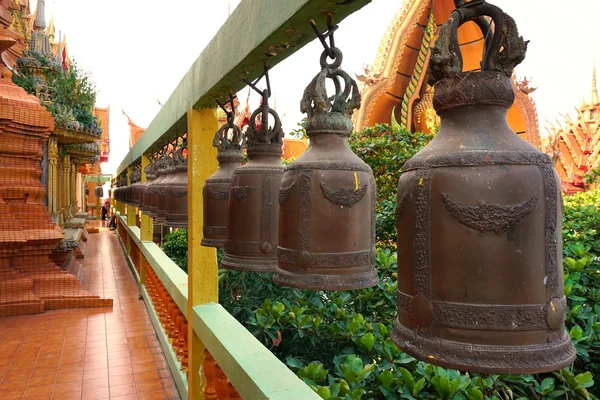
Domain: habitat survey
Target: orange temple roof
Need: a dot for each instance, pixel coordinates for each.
(394, 87)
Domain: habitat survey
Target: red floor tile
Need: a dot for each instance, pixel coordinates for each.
(87, 354)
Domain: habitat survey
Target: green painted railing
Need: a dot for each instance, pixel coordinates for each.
(219, 358)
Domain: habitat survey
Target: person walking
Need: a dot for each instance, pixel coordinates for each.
(105, 209)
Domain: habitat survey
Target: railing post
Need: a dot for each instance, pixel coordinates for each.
(203, 284)
(145, 225)
(130, 211)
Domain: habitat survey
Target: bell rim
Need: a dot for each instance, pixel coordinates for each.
(210, 242)
(361, 280)
(531, 356)
(255, 264)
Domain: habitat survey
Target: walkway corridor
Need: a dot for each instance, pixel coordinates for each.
(87, 354)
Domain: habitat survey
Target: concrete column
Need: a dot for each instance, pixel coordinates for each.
(203, 282)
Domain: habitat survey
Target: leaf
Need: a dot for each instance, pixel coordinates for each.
(324, 392)
(585, 380)
(367, 341)
(408, 379)
(576, 332)
(294, 362)
(546, 386)
(418, 386)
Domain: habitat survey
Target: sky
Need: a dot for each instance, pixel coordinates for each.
(137, 51)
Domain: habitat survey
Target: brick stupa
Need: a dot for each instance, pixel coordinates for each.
(29, 281)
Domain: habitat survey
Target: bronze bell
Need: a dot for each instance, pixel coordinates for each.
(169, 174)
(153, 187)
(328, 195)
(136, 185)
(177, 193)
(253, 210)
(98, 192)
(150, 178)
(216, 189)
(480, 277)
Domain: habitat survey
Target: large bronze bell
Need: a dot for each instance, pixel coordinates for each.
(169, 171)
(253, 211)
(480, 277)
(328, 195)
(177, 193)
(150, 178)
(216, 189)
(152, 190)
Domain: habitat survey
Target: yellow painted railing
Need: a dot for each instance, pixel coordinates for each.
(211, 355)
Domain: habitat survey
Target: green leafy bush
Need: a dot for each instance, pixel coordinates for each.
(69, 95)
(339, 342)
(386, 149)
(581, 236)
(175, 245)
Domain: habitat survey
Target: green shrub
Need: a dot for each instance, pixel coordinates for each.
(386, 149)
(175, 246)
(339, 342)
(69, 95)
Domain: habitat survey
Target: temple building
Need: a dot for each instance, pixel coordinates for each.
(40, 156)
(575, 142)
(394, 88)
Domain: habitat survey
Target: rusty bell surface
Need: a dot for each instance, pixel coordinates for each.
(169, 171)
(159, 172)
(150, 179)
(480, 277)
(253, 211)
(216, 190)
(177, 194)
(327, 196)
(136, 178)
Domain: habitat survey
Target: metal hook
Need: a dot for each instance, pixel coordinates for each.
(322, 36)
(268, 81)
(230, 113)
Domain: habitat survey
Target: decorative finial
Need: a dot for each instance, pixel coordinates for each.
(40, 16)
(504, 48)
(224, 140)
(332, 114)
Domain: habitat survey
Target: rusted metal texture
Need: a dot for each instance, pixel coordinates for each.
(170, 169)
(159, 172)
(480, 278)
(150, 178)
(177, 200)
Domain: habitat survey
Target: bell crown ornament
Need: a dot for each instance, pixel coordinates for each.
(480, 279)
(330, 114)
(328, 195)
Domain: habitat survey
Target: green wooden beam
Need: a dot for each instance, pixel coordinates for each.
(258, 31)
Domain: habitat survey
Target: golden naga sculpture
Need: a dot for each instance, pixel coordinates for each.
(575, 143)
(394, 87)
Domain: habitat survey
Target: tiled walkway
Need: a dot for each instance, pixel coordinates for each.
(87, 353)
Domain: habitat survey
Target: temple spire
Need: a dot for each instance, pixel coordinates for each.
(40, 15)
(595, 99)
